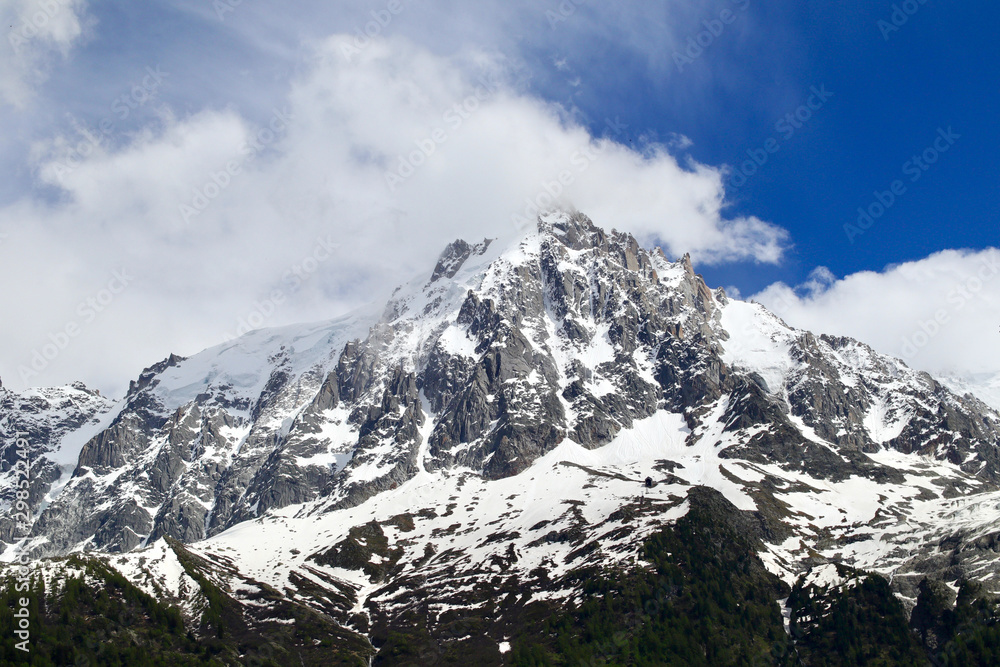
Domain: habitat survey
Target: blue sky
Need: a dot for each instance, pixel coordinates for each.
(939, 69)
(171, 92)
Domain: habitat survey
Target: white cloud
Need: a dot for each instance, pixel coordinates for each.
(940, 314)
(35, 30)
(392, 155)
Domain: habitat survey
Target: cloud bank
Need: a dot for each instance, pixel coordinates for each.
(200, 226)
(940, 314)
(36, 31)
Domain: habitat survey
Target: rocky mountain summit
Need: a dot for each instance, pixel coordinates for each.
(517, 416)
(55, 423)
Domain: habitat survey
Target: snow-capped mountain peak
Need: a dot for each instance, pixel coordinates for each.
(521, 410)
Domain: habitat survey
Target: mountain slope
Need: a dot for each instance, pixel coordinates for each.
(56, 424)
(984, 386)
(465, 455)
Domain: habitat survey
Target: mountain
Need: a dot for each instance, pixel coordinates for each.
(56, 423)
(984, 386)
(524, 433)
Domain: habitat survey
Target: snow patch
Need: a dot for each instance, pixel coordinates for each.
(758, 342)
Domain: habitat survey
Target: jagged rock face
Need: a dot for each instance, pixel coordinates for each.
(465, 458)
(561, 341)
(846, 395)
(484, 367)
(54, 423)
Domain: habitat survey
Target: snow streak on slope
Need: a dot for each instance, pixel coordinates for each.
(239, 370)
(984, 386)
(459, 515)
(759, 342)
(498, 418)
(568, 485)
(56, 423)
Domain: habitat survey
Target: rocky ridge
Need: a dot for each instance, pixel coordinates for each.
(493, 424)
